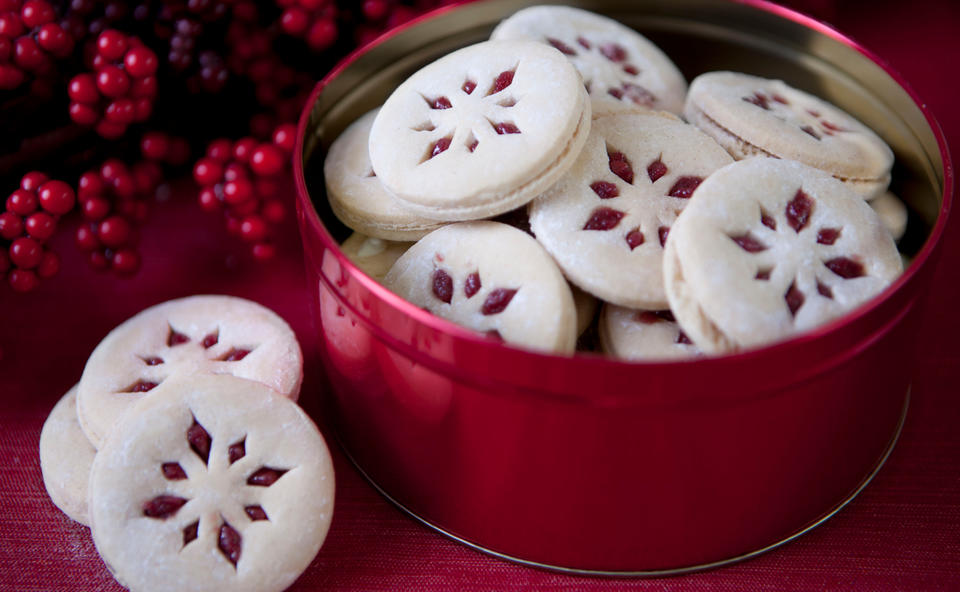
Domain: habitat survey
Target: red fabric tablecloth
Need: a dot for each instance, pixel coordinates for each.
(902, 532)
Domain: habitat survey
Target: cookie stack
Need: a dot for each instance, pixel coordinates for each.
(184, 451)
(713, 220)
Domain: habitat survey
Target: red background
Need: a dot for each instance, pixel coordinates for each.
(902, 532)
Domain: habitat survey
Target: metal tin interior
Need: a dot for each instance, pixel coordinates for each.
(699, 36)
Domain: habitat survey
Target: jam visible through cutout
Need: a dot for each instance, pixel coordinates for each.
(603, 219)
(442, 286)
(230, 543)
(497, 301)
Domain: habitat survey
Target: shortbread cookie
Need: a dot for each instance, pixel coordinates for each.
(632, 334)
(620, 67)
(491, 278)
(892, 212)
(769, 248)
(482, 130)
(586, 306)
(356, 194)
(373, 255)
(198, 334)
(605, 221)
(213, 483)
(752, 116)
(65, 458)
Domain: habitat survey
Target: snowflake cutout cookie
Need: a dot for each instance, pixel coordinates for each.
(606, 221)
(215, 482)
(769, 248)
(198, 334)
(356, 195)
(480, 131)
(752, 116)
(492, 278)
(639, 335)
(621, 69)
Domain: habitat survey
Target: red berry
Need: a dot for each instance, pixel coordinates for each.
(267, 160)
(375, 10)
(237, 191)
(28, 55)
(140, 62)
(207, 171)
(6, 48)
(285, 137)
(33, 180)
(264, 251)
(154, 145)
(10, 76)
(36, 12)
(112, 169)
(220, 150)
(56, 197)
(112, 81)
(25, 252)
(89, 185)
(23, 280)
(234, 171)
(233, 225)
(112, 44)
(115, 231)
(208, 199)
(95, 208)
(125, 262)
(11, 225)
(83, 114)
(120, 110)
(145, 87)
(312, 4)
(322, 34)
(86, 238)
(253, 229)
(49, 265)
(55, 40)
(40, 226)
(10, 25)
(274, 211)
(83, 88)
(243, 148)
(22, 202)
(295, 21)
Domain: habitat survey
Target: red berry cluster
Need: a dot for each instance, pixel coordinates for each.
(242, 179)
(312, 20)
(113, 203)
(29, 40)
(30, 219)
(121, 91)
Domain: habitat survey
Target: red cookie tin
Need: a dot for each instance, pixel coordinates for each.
(590, 464)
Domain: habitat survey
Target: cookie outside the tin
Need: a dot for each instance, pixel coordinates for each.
(213, 483)
(769, 248)
(481, 131)
(65, 458)
(192, 335)
(750, 116)
(621, 68)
